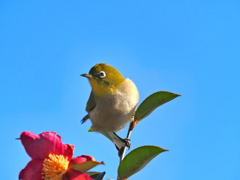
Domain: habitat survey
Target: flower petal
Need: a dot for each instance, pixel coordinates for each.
(32, 170)
(81, 159)
(40, 146)
(75, 175)
(83, 163)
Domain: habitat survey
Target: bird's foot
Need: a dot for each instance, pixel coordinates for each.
(122, 149)
(125, 141)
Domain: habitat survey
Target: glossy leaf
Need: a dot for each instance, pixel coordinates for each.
(98, 176)
(85, 166)
(152, 102)
(92, 173)
(137, 159)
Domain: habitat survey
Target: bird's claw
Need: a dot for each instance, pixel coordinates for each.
(127, 143)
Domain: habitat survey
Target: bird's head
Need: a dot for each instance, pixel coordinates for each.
(104, 79)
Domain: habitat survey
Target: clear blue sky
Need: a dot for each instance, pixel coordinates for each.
(189, 47)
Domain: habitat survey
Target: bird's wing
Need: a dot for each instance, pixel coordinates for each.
(90, 106)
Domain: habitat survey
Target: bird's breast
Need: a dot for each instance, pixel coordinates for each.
(113, 111)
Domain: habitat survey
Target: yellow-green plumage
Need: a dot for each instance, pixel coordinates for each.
(113, 99)
(109, 84)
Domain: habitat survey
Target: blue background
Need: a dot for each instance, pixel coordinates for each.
(188, 47)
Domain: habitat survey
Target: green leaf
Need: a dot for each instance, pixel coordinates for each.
(137, 159)
(85, 166)
(92, 173)
(152, 102)
(97, 176)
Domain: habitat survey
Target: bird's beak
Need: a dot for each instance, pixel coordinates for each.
(86, 75)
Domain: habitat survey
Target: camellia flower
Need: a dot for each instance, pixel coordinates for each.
(52, 160)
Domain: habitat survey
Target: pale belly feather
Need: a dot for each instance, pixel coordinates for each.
(116, 110)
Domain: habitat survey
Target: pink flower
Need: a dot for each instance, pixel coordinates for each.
(51, 159)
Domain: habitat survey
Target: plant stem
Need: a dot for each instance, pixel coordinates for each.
(125, 147)
(123, 150)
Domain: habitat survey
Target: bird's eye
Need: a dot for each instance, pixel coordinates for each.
(102, 74)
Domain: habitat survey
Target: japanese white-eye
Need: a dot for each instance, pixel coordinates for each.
(113, 99)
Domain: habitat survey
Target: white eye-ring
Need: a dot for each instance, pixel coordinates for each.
(102, 74)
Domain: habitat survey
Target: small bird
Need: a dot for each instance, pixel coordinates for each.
(113, 99)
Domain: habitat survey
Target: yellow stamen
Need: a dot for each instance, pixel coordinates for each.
(54, 167)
